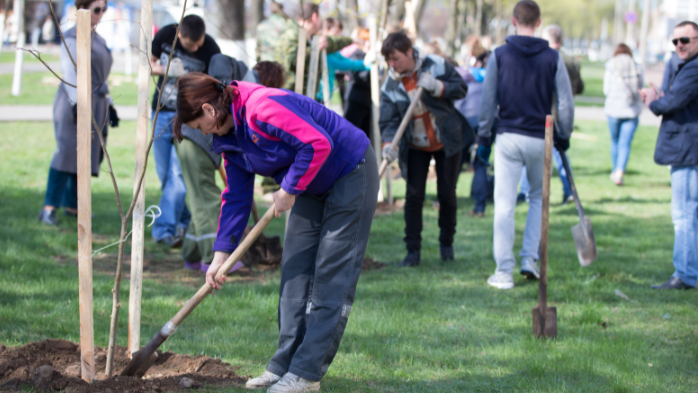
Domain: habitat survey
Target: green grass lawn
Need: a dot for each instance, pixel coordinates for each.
(8, 56)
(435, 328)
(39, 88)
(592, 75)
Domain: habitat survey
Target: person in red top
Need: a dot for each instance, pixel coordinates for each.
(437, 131)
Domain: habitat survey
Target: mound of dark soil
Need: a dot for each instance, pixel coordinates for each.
(53, 365)
(370, 264)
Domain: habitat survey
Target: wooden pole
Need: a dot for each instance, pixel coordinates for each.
(312, 71)
(375, 94)
(326, 93)
(19, 54)
(84, 135)
(300, 74)
(138, 227)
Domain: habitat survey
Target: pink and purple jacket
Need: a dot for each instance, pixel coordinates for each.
(302, 145)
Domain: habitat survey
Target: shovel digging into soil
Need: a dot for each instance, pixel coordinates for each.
(143, 359)
(544, 317)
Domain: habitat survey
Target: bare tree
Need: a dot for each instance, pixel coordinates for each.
(452, 28)
(232, 14)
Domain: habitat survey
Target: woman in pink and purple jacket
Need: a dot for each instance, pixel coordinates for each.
(329, 181)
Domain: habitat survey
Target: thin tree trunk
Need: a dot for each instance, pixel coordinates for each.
(451, 29)
(232, 13)
(116, 304)
(351, 15)
(478, 17)
(258, 15)
(398, 13)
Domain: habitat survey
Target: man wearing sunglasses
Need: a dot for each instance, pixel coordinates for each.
(677, 146)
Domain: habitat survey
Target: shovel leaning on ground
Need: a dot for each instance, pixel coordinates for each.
(544, 317)
(582, 233)
(142, 360)
(401, 129)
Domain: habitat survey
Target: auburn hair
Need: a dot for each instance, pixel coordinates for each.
(271, 74)
(196, 89)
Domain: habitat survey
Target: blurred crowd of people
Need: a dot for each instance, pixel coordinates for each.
(492, 97)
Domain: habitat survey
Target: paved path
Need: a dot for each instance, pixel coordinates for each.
(45, 113)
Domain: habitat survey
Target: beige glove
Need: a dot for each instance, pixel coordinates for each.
(389, 153)
(434, 86)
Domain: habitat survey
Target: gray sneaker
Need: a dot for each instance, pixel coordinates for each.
(263, 381)
(501, 280)
(291, 383)
(529, 268)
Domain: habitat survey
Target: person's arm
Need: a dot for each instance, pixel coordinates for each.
(335, 43)
(682, 92)
(488, 107)
(454, 86)
(283, 118)
(340, 63)
(389, 120)
(565, 100)
(235, 207)
(155, 67)
(70, 74)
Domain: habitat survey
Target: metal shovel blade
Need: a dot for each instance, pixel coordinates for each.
(546, 326)
(584, 241)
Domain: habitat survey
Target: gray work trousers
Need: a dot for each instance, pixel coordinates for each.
(511, 153)
(324, 249)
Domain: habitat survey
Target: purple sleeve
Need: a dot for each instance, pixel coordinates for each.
(283, 118)
(236, 205)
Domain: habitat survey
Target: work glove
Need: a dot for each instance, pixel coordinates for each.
(176, 68)
(389, 153)
(370, 58)
(429, 83)
(113, 117)
(561, 144)
(483, 154)
(75, 113)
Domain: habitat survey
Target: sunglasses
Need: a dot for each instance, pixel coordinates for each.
(683, 40)
(101, 10)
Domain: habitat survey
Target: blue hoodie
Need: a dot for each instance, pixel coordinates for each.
(523, 77)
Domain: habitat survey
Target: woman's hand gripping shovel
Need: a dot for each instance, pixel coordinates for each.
(401, 129)
(143, 359)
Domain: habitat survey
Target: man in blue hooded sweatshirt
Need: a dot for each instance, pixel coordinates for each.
(525, 78)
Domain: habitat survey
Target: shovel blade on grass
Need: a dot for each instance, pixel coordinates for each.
(550, 328)
(584, 241)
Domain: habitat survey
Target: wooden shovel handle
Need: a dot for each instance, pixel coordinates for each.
(544, 229)
(227, 265)
(401, 129)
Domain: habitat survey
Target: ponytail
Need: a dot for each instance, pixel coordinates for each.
(196, 89)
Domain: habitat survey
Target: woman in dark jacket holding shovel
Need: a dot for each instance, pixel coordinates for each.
(329, 181)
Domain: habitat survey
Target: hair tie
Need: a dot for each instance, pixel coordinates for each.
(221, 86)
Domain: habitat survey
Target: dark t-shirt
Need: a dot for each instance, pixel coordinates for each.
(192, 62)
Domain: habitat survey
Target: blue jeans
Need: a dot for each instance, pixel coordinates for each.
(62, 189)
(479, 187)
(523, 183)
(173, 200)
(684, 215)
(622, 131)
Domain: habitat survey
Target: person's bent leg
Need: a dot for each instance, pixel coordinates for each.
(166, 224)
(297, 271)
(625, 140)
(562, 172)
(55, 188)
(178, 192)
(533, 153)
(447, 170)
(199, 173)
(417, 171)
(507, 171)
(343, 239)
(684, 214)
(70, 195)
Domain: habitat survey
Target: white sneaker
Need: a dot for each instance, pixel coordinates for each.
(501, 280)
(291, 383)
(529, 268)
(263, 381)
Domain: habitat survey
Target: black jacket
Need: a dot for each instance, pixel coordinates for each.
(677, 142)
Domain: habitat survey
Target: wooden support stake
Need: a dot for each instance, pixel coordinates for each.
(375, 96)
(138, 227)
(312, 71)
(326, 93)
(84, 135)
(300, 60)
(300, 74)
